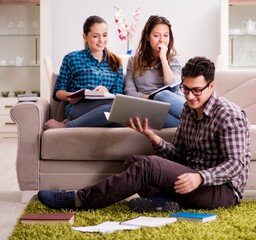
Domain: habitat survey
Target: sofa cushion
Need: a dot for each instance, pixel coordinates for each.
(96, 143)
(238, 86)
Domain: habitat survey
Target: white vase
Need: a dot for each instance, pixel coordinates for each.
(125, 59)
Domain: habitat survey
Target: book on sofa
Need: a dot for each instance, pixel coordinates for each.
(27, 97)
(91, 94)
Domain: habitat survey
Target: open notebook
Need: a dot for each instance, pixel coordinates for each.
(125, 107)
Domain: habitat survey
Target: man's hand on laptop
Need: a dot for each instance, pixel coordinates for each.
(137, 125)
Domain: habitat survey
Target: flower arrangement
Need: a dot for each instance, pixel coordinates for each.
(124, 31)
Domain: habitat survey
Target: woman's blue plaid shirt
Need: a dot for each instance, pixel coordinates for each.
(80, 69)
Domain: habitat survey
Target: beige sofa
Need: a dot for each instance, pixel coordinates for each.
(73, 158)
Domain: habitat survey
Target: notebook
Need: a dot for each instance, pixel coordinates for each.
(195, 216)
(125, 107)
(172, 88)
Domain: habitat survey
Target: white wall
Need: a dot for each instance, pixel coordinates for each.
(195, 24)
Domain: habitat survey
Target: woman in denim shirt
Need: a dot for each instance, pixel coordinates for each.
(94, 68)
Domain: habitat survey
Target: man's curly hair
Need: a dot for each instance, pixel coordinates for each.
(199, 66)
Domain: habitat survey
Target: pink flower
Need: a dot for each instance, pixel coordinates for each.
(124, 32)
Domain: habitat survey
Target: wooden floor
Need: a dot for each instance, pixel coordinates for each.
(10, 196)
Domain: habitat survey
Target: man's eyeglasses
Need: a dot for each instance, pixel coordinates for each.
(197, 91)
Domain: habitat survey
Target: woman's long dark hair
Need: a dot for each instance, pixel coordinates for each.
(113, 60)
(144, 57)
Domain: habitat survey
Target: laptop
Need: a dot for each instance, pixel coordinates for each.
(125, 107)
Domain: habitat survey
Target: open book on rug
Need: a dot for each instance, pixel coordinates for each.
(136, 223)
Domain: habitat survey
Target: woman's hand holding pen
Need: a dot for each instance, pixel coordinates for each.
(100, 88)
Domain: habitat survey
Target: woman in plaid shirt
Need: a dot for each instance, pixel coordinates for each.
(94, 68)
(205, 166)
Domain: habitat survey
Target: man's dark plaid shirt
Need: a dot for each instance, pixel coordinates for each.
(217, 145)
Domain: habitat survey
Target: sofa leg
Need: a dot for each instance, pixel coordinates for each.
(28, 196)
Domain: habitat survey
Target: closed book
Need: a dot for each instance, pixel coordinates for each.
(33, 218)
(27, 97)
(79, 93)
(195, 217)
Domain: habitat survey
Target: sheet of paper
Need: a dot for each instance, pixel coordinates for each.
(105, 227)
(133, 224)
(150, 221)
(107, 95)
(107, 115)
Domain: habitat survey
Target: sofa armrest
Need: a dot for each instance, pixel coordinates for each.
(29, 117)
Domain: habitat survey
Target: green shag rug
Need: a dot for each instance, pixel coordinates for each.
(238, 222)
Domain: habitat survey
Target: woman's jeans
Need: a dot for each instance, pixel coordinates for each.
(90, 113)
(177, 100)
(142, 172)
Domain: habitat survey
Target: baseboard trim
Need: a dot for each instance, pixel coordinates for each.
(28, 196)
(249, 195)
